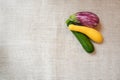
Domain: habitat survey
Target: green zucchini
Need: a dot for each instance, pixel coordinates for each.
(82, 38)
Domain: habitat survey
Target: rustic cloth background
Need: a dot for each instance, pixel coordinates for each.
(36, 45)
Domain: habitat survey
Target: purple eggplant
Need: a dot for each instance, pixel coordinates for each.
(85, 18)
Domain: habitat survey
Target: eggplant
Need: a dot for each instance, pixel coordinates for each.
(85, 18)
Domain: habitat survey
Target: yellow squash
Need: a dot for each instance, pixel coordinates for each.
(90, 32)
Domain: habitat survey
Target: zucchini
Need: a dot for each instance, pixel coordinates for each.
(82, 38)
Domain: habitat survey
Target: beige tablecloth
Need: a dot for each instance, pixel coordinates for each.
(36, 45)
